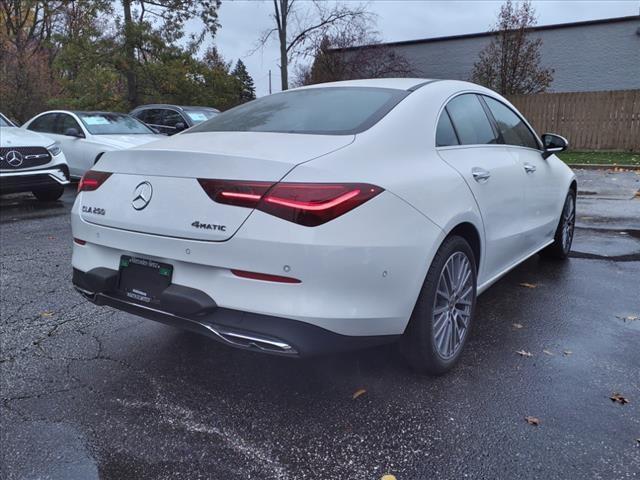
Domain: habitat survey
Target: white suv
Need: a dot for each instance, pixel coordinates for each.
(30, 162)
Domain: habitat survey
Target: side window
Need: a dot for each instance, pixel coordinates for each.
(153, 116)
(141, 115)
(470, 121)
(172, 118)
(513, 129)
(65, 122)
(445, 134)
(45, 123)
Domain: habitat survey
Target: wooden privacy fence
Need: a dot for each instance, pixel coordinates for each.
(589, 120)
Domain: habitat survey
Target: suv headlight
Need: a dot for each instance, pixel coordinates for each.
(54, 149)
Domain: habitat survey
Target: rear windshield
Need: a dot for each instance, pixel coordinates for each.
(113, 124)
(328, 110)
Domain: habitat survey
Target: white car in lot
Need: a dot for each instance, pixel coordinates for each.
(30, 162)
(327, 217)
(85, 136)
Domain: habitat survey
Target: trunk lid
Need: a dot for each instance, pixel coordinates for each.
(165, 175)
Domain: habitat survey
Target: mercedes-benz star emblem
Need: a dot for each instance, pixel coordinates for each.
(142, 195)
(14, 158)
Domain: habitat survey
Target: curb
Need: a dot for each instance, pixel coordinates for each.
(598, 166)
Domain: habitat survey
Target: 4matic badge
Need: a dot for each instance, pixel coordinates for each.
(209, 226)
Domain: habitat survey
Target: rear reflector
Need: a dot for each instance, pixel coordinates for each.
(92, 180)
(79, 242)
(264, 276)
(308, 204)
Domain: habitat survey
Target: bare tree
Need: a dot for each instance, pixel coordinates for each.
(300, 25)
(510, 64)
(351, 52)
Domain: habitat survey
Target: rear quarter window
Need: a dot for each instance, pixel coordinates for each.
(445, 134)
(470, 121)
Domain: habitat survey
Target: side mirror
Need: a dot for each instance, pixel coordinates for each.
(73, 132)
(553, 144)
(180, 126)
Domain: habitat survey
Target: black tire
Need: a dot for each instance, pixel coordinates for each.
(418, 344)
(560, 249)
(49, 194)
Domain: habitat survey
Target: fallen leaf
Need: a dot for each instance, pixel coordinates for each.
(46, 314)
(617, 397)
(532, 421)
(388, 477)
(528, 285)
(522, 353)
(548, 352)
(566, 353)
(358, 392)
(518, 325)
(51, 237)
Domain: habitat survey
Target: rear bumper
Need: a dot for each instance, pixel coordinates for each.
(194, 310)
(36, 179)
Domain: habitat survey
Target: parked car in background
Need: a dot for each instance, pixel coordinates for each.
(30, 162)
(327, 217)
(85, 136)
(170, 119)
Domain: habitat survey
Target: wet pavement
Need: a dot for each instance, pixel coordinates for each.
(89, 392)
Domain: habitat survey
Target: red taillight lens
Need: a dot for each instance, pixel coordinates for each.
(239, 193)
(309, 204)
(313, 204)
(92, 180)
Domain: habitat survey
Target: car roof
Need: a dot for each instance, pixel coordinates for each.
(182, 107)
(395, 83)
(409, 84)
(96, 112)
(84, 112)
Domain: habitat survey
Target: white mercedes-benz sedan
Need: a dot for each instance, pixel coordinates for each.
(86, 136)
(30, 162)
(327, 217)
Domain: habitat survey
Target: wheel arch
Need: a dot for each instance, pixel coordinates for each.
(470, 233)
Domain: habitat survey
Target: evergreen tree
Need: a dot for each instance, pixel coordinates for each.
(248, 90)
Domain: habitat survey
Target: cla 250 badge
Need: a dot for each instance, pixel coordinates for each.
(209, 226)
(94, 210)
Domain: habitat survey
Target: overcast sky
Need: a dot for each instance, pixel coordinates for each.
(243, 20)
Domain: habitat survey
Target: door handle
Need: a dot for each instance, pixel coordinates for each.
(480, 175)
(529, 168)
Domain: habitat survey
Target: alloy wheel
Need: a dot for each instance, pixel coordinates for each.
(452, 305)
(568, 223)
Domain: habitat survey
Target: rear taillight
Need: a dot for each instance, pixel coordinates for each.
(308, 204)
(92, 180)
(239, 193)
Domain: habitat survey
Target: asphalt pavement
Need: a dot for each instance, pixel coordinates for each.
(89, 392)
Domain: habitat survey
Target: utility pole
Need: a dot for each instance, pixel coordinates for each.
(269, 81)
